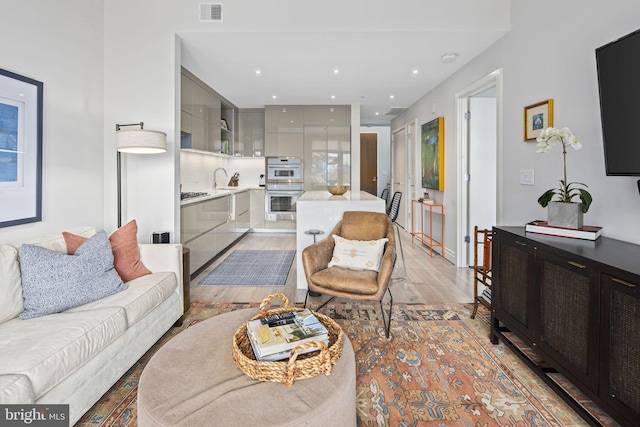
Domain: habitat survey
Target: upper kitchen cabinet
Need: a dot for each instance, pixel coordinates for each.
(250, 141)
(203, 111)
(227, 123)
(186, 94)
(284, 144)
(327, 115)
(283, 119)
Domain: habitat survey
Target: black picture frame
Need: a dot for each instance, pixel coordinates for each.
(21, 108)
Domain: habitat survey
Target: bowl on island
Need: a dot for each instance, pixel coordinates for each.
(337, 190)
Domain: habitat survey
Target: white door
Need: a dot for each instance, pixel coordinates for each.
(479, 136)
(399, 172)
(482, 166)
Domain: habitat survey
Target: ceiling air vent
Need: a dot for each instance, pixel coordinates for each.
(210, 12)
(393, 111)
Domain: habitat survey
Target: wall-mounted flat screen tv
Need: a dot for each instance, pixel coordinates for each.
(618, 65)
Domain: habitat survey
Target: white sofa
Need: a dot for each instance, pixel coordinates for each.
(75, 356)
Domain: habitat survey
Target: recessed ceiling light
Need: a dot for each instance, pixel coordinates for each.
(392, 96)
(377, 114)
(415, 71)
(449, 57)
(336, 71)
(331, 109)
(258, 72)
(333, 97)
(273, 96)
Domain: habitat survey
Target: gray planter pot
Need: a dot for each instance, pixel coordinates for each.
(566, 215)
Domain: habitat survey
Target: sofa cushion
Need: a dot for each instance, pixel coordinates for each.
(10, 284)
(53, 282)
(54, 241)
(357, 254)
(143, 295)
(47, 349)
(124, 244)
(16, 389)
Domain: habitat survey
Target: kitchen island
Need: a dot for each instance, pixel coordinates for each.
(320, 210)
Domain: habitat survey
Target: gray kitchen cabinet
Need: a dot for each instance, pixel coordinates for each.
(186, 95)
(202, 224)
(243, 211)
(250, 141)
(330, 115)
(257, 208)
(284, 144)
(198, 134)
(283, 119)
(327, 156)
(202, 111)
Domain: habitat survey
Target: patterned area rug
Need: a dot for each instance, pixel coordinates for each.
(251, 268)
(438, 369)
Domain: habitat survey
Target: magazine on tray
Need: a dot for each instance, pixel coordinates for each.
(280, 335)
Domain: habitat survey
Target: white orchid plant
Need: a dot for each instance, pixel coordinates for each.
(567, 190)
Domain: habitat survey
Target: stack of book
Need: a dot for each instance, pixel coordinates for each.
(587, 232)
(273, 337)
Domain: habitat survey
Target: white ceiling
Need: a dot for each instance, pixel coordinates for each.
(298, 67)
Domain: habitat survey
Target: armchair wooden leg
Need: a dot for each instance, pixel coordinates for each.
(387, 322)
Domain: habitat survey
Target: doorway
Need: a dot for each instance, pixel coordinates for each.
(479, 114)
(399, 172)
(369, 163)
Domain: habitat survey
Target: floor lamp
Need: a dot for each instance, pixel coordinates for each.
(136, 141)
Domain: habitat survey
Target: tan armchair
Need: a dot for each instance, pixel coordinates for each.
(342, 282)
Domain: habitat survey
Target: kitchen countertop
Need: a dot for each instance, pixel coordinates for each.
(219, 192)
(325, 196)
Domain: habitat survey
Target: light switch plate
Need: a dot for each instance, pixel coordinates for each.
(527, 177)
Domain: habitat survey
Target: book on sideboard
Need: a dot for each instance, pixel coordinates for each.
(273, 340)
(586, 232)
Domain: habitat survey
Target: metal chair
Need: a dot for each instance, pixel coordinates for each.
(392, 213)
(385, 196)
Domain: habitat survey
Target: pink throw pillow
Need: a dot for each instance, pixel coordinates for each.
(124, 245)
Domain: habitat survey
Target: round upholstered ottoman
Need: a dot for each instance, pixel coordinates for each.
(192, 381)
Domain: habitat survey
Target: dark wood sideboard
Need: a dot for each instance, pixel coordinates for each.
(570, 308)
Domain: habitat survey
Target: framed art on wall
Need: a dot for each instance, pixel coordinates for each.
(536, 118)
(432, 154)
(20, 149)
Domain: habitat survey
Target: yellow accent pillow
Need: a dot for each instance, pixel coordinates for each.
(357, 254)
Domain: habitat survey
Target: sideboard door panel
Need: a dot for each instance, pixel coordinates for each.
(512, 272)
(620, 377)
(568, 329)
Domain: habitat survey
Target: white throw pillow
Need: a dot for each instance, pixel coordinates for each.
(10, 284)
(357, 254)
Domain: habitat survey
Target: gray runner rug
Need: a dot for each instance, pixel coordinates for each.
(251, 268)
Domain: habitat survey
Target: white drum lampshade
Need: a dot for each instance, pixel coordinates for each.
(136, 141)
(141, 141)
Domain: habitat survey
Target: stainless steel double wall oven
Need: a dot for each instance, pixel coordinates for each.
(284, 185)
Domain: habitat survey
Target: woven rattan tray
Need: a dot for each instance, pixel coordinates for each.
(298, 366)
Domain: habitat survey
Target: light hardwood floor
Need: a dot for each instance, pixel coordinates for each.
(428, 280)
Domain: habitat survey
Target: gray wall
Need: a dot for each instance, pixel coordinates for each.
(549, 53)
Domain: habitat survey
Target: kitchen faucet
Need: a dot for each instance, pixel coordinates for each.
(214, 177)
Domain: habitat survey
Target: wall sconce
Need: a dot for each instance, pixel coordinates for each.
(136, 141)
